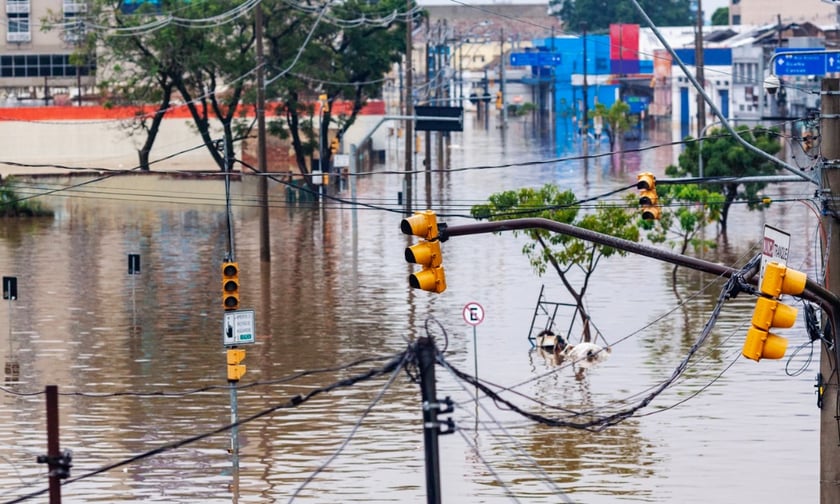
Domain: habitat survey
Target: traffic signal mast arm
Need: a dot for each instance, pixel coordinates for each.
(812, 292)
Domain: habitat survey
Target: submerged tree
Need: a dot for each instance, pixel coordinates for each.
(565, 254)
(724, 156)
(616, 120)
(343, 53)
(686, 210)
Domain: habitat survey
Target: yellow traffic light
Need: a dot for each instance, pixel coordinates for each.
(426, 253)
(499, 103)
(648, 199)
(230, 285)
(335, 144)
(235, 368)
(770, 312)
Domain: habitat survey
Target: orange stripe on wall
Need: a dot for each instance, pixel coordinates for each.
(99, 113)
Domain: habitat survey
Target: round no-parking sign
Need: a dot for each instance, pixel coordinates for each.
(473, 314)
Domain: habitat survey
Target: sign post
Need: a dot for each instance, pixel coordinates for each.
(10, 292)
(133, 269)
(473, 314)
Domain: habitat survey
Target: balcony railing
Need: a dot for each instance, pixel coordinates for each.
(18, 37)
(17, 7)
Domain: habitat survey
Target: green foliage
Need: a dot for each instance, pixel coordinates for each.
(720, 17)
(12, 205)
(345, 64)
(560, 251)
(547, 247)
(724, 156)
(686, 211)
(599, 14)
(616, 119)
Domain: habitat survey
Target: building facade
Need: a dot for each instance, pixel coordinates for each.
(762, 12)
(37, 64)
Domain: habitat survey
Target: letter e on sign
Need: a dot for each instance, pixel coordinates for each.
(473, 314)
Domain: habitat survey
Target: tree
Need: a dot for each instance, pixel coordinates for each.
(599, 14)
(342, 63)
(565, 254)
(723, 156)
(686, 211)
(148, 56)
(720, 17)
(616, 120)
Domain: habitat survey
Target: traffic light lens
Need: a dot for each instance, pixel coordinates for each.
(231, 286)
(231, 302)
(229, 270)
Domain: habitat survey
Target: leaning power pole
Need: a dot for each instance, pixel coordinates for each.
(698, 65)
(409, 107)
(829, 419)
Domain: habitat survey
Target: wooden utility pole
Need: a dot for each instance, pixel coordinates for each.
(698, 65)
(262, 189)
(409, 108)
(829, 422)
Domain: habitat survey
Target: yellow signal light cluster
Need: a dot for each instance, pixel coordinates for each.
(769, 312)
(425, 253)
(648, 199)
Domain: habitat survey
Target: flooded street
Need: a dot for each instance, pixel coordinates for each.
(139, 360)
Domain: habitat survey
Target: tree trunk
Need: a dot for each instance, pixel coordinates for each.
(154, 128)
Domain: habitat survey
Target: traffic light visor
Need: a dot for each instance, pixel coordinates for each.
(779, 279)
(763, 345)
(425, 253)
(421, 224)
(771, 313)
(651, 213)
(428, 279)
(648, 197)
(646, 181)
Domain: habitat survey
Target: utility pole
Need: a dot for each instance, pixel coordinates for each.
(698, 65)
(585, 119)
(431, 409)
(502, 80)
(262, 189)
(829, 442)
(409, 108)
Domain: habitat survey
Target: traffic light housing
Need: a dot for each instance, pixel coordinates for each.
(230, 285)
(648, 199)
(499, 103)
(425, 253)
(769, 312)
(335, 144)
(235, 368)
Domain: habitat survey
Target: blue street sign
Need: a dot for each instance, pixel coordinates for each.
(801, 64)
(541, 59)
(524, 59)
(832, 63)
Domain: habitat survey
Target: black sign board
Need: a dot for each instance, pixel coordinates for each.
(133, 264)
(9, 287)
(451, 118)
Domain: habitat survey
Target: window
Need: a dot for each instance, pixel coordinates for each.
(18, 27)
(736, 19)
(41, 65)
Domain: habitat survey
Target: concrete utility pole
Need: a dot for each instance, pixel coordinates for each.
(829, 424)
(409, 108)
(698, 65)
(262, 190)
(584, 121)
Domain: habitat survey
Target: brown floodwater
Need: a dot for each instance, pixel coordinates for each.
(139, 360)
